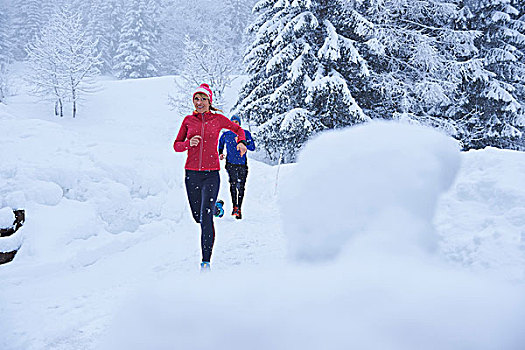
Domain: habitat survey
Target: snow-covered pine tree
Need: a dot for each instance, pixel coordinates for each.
(174, 20)
(492, 108)
(103, 18)
(239, 12)
(179, 22)
(253, 96)
(296, 88)
(137, 55)
(4, 36)
(218, 22)
(116, 16)
(26, 20)
(4, 52)
(335, 92)
(519, 25)
(237, 15)
(100, 28)
(412, 59)
(63, 60)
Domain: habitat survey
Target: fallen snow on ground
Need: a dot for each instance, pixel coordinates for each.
(383, 236)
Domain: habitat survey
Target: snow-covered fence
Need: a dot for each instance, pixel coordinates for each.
(9, 247)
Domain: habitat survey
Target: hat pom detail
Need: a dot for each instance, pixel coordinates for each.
(204, 89)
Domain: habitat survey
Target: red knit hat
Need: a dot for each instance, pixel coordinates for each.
(204, 89)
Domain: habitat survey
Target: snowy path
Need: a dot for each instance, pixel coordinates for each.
(119, 147)
(110, 249)
(80, 301)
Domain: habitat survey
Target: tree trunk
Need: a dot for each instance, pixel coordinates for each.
(58, 103)
(277, 173)
(61, 107)
(74, 98)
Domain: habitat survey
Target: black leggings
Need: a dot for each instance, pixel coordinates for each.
(202, 188)
(238, 174)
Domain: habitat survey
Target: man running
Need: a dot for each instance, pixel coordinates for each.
(236, 165)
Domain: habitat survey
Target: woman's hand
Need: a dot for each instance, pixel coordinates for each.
(194, 141)
(241, 148)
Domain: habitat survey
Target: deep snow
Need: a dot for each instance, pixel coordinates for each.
(383, 236)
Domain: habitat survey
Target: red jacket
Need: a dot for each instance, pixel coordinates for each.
(205, 155)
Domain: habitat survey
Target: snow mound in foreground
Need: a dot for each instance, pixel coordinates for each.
(383, 292)
(378, 183)
(481, 220)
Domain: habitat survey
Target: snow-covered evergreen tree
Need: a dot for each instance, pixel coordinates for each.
(103, 23)
(296, 65)
(217, 22)
(519, 25)
(179, 22)
(237, 15)
(413, 59)
(491, 110)
(137, 55)
(4, 52)
(27, 17)
(173, 20)
(63, 59)
(4, 36)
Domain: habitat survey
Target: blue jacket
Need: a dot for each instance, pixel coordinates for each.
(233, 156)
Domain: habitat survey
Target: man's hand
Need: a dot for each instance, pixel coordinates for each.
(241, 148)
(221, 156)
(194, 141)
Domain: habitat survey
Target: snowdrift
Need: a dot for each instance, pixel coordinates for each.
(383, 236)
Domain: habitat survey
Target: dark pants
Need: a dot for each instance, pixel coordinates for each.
(237, 174)
(202, 188)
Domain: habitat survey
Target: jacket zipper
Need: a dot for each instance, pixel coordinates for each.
(202, 142)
